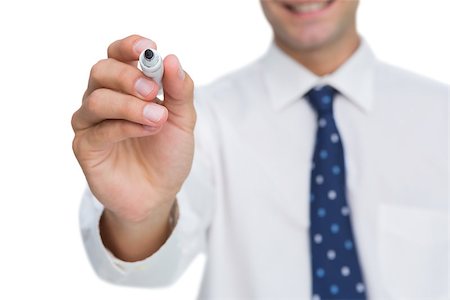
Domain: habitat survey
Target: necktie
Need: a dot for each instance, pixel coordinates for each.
(336, 273)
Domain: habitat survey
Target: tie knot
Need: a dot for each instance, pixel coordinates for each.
(321, 98)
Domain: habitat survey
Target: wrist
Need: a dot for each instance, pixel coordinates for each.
(142, 218)
(132, 240)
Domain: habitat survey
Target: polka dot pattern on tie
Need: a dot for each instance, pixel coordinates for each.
(336, 273)
(331, 254)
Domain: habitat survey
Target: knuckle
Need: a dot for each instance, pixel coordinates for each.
(127, 42)
(110, 49)
(96, 69)
(133, 37)
(122, 45)
(76, 145)
(92, 102)
(74, 121)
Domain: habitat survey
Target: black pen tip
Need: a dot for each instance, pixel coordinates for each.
(148, 54)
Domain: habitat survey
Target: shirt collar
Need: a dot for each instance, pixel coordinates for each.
(288, 81)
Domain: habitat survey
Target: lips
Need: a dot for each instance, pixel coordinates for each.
(307, 7)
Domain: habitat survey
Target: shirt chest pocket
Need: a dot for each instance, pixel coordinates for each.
(413, 252)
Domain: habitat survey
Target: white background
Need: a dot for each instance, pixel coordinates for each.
(46, 51)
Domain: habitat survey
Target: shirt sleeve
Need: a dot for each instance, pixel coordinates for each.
(188, 238)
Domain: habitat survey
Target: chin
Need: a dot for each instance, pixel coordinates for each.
(309, 25)
(305, 40)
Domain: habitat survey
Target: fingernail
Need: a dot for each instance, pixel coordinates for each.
(143, 44)
(153, 112)
(144, 87)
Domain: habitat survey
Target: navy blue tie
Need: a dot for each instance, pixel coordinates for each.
(336, 273)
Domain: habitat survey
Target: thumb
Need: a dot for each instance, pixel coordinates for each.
(178, 93)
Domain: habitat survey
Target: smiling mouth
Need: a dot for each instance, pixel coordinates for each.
(307, 7)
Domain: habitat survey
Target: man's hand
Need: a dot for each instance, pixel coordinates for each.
(135, 152)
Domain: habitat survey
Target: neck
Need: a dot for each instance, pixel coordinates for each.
(325, 59)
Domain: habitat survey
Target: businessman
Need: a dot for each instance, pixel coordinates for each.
(318, 172)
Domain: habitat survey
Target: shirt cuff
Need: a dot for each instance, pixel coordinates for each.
(161, 268)
(163, 254)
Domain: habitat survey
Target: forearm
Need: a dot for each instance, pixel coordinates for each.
(134, 241)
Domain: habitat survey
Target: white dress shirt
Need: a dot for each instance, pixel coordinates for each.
(246, 202)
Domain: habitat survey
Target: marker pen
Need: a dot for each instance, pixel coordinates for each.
(152, 66)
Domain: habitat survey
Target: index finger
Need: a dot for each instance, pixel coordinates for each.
(128, 49)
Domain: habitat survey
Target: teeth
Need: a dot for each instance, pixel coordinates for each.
(308, 7)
